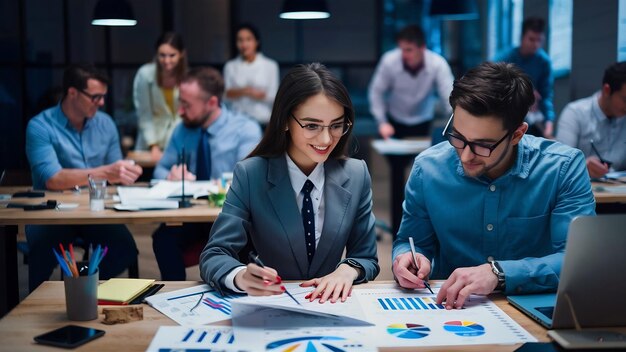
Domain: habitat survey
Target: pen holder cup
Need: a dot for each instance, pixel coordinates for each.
(81, 297)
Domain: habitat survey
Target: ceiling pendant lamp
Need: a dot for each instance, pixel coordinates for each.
(304, 10)
(454, 9)
(113, 13)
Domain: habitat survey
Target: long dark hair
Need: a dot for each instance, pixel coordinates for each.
(301, 83)
(176, 41)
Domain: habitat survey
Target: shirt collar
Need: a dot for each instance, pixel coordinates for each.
(64, 121)
(298, 178)
(596, 112)
(219, 123)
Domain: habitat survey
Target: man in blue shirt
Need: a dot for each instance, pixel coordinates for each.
(536, 63)
(489, 209)
(214, 139)
(64, 145)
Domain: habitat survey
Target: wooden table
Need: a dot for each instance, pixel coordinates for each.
(10, 218)
(44, 310)
(603, 197)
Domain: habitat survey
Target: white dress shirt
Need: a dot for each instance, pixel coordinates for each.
(262, 73)
(582, 121)
(409, 99)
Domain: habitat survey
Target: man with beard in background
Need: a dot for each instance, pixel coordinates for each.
(214, 139)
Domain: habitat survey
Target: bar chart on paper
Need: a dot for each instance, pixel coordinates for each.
(409, 303)
(405, 318)
(181, 338)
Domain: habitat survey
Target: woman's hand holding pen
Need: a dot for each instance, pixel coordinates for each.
(258, 281)
(407, 274)
(334, 286)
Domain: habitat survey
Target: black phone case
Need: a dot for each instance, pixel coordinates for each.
(43, 339)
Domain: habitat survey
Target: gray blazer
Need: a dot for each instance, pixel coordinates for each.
(261, 212)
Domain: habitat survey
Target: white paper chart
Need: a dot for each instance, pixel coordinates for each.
(180, 338)
(405, 318)
(287, 331)
(179, 305)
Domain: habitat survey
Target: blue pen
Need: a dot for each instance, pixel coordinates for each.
(102, 254)
(93, 260)
(62, 264)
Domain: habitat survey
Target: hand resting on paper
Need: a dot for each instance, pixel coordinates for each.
(463, 282)
(334, 286)
(258, 281)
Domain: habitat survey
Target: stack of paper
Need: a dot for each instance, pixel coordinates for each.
(122, 291)
(156, 197)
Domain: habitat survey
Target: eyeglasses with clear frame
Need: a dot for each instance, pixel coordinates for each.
(95, 98)
(477, 148)
(337, 129)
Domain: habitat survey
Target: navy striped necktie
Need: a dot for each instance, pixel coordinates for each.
(308, 220)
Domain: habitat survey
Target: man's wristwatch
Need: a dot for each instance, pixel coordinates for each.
(497, 270)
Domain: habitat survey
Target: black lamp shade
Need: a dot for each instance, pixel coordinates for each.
(304, 10)
(454, 9)
(113, 13)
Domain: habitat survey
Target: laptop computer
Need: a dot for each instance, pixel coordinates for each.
(591, 285)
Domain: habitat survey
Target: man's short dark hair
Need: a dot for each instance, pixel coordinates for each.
(77, 76)
(495, 89)
(413, 34)
(615, 76)
(209, 79)
(534, 24)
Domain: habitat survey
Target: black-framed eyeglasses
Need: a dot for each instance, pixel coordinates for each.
(480, 149)
(337, 129)
(94, 97)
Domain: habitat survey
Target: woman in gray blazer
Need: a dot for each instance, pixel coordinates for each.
(297, 200)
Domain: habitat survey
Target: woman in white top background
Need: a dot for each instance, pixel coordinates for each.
(155, 94)
(251, 79)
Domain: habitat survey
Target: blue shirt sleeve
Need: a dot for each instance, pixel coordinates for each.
(42, 157)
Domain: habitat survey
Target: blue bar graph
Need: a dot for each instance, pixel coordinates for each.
(409, 303)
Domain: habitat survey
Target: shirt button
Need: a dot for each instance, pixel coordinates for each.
(489, 227)
(492, 188)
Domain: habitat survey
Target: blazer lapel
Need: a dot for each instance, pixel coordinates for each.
(285, 207)
(336, 203)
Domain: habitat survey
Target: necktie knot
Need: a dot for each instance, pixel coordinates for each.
(308, 187)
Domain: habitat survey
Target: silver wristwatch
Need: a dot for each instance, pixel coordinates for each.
(497, 270)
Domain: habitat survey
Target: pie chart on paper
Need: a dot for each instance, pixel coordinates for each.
(408, 331)
(464, 328)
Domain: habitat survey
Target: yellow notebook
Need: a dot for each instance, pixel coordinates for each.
(122, 290)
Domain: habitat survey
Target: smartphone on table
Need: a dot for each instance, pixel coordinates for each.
(69, 336)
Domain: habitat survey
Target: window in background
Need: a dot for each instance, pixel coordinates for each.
(504, 26)
(560, 36)
(517, 17)
(621, 31)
